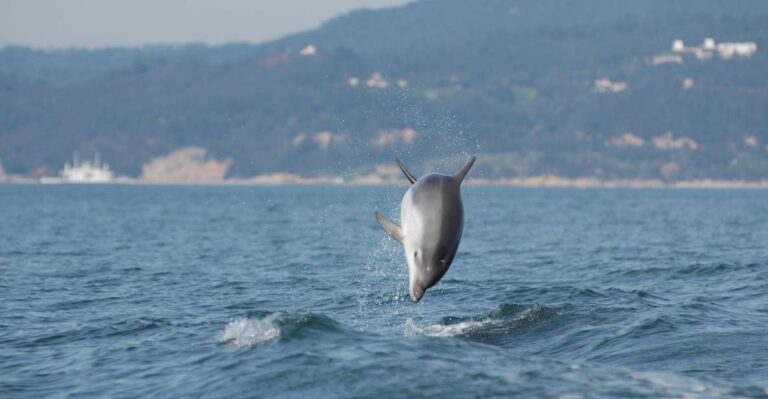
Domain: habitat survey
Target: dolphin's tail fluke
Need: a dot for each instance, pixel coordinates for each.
(406, 172)
(463, 172)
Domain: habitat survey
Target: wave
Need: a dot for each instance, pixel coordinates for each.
(246, 332)
(253, 330)
(507, 318)
(714, 269)
(442, 330)
(673, 384)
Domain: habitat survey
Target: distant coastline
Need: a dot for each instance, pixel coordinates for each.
(548, 181)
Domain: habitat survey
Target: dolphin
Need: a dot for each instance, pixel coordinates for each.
(432, 217)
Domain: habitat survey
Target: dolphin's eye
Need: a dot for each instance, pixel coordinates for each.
(416, 254)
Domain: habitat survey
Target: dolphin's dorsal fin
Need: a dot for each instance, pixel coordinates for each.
(407, 173)
(463, 172)
(391, 228)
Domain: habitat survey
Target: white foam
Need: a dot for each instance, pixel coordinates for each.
(246, 332)
(453, 330)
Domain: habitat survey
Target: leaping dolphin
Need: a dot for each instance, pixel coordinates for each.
(432, 218)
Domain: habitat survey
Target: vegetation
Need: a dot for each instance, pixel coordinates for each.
(511, 79)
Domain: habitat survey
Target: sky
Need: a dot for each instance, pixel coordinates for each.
(100, 23)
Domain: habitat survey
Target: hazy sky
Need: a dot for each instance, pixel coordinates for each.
(95, 23)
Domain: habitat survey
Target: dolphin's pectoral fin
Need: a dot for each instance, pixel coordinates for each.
(405, 170)
(391, 228)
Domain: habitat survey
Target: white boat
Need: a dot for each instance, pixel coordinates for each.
(82, 172)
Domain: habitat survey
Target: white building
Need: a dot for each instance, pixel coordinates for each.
(709, 48)
(308, 51)
(678, 46)
(605, 85)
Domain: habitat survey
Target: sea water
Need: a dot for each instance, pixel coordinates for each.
(151, 291)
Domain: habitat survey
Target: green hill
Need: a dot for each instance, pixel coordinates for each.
(565, 87)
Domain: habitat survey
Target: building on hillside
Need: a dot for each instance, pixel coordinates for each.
(709, 48)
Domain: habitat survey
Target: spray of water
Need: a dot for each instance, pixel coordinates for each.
(443, 145)
(382, 294)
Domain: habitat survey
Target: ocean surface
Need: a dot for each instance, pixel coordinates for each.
(219, 292)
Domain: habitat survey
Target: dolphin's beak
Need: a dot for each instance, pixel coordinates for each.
(416, 293)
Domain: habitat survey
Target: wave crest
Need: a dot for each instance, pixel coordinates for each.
(246, 332)
(252, 329)
(505, 319)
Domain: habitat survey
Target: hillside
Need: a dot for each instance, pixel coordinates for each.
(564, 87)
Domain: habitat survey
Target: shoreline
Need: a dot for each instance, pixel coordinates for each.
(522, 182)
